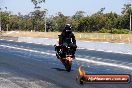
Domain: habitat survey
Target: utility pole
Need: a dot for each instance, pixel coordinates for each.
(131, 17)
(130, 23)
(130, 20)
(7, 25)
(0, 19)
(45, 20)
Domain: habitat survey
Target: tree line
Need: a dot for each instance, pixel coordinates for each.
(98, 22)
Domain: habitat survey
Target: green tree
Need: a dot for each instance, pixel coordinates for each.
(36, 2)
(78, 15)
(126, 10)
(38, 20)
(100, 12)
(60, 20)
(14, 22)
(111, 20)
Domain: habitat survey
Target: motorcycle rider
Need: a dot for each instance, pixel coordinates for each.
(67, 38)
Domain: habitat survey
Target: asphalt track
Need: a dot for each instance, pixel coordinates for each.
(26, 65)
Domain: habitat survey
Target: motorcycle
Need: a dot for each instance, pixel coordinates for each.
(66, 58)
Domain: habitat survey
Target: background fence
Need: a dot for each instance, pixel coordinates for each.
(119, 38)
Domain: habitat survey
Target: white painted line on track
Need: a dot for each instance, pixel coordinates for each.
(109, 51)
(6, 40)
(103, 42)
(1, 39)
(10, 40)
(105, 63)
(105, 51)
(80, 59)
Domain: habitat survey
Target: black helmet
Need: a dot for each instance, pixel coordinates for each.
(68, 28)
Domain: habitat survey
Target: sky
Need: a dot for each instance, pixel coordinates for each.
(67, 7)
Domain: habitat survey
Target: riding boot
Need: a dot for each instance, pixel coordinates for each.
(73, 55)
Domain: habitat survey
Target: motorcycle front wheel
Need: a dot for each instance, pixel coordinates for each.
(68, 66)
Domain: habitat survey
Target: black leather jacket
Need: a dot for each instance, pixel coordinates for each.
(67, 38)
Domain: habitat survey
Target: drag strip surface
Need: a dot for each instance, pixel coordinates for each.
(30, 65)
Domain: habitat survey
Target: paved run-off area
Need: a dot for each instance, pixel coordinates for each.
(27, 65)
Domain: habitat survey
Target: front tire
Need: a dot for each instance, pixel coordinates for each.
(68, 66)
